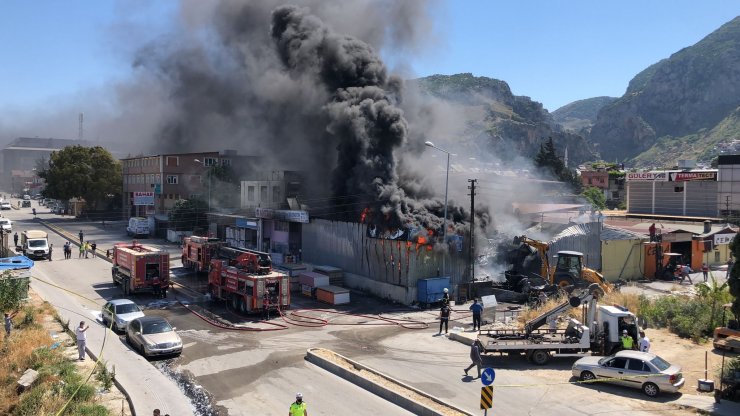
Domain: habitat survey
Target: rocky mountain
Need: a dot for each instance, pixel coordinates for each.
(500, 121)
(580, 115)
(677, 106)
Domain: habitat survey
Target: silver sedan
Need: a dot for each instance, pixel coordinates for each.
(641, 370)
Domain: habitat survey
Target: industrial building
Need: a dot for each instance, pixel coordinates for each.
(675, 193)
(21, 156)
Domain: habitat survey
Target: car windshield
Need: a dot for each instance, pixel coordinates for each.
(127, 308)
(660, 363)
(605, 359)
(37, 243)
(156, 327)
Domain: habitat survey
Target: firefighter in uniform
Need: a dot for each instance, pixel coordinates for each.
(298, 408)
(627, 341)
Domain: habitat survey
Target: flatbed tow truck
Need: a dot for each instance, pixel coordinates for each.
(599, 337)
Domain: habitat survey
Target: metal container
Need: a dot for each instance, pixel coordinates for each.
(431, 289)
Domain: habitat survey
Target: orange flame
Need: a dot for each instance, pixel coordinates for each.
(363, 216)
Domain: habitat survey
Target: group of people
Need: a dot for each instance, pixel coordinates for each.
(628, 343)
(445, 311)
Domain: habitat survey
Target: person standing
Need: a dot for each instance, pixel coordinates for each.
(82, 251)
(298, 408)
(730, 263)
(475, 357)
(51, 249)
(444, 318)
(9, 322)
(446, 297)
(15, 239)
(81, 333)
(82, 236)
(87, 249)
(477, 310)
(93, 247)
(651, 230)
(705, 271)
(627, 341)
(644, 344)
(156, 287)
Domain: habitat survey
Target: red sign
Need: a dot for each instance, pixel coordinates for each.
(693, 176)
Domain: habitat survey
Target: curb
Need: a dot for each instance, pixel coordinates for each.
(118, 384)
(379, 390)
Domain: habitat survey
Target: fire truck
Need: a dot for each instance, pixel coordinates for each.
(137, 267)
(197, 252)
(246, 281)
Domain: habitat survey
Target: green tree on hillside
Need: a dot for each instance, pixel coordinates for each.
(548, 159)
(89, 173)
(595, 196)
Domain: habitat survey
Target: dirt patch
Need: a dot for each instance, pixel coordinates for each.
(386, 383)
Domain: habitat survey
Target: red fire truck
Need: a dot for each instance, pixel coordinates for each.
(245, 279)
(197, 252)
(139, 268)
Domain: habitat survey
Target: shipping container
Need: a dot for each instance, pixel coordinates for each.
(333, 295)
(430, 290)
(336, 275)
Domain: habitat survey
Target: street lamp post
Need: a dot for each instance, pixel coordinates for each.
(447, 182)
(209, 185)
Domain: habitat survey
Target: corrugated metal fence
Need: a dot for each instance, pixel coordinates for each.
(401, 263)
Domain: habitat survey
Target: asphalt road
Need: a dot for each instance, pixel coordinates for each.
(249, 373)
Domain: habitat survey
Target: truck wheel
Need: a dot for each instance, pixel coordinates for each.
(539, 357)
(650, 389)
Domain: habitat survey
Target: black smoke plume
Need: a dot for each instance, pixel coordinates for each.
(364, 119)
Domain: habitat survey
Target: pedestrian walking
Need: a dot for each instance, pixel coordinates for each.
(9, 322)
(477, 310)
(107, 253)
(15, 239)
(298, 407)
(444, 317)
(705, 271)
(475, 357)
(644, 344)
(93, 247)
(81, 333)
(82, 251)
(82, 237)
(730, 263)
(51, 249)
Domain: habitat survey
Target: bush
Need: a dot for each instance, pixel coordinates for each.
(104, 376)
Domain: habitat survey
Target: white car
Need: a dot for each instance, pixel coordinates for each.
(120, 312)
(6, 225)
(5, 205)
(640, 370)
(26, 197)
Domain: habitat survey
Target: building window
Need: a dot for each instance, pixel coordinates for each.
(210, 161)
(173, 161)
(281, 226)
(250, 193)
(275, 194)
(172, 179)
(225, 162)
(263, 194)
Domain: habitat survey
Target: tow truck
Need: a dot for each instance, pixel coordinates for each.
(599, 336)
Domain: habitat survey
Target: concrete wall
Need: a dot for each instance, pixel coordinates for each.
(616, 259)
(402, 294)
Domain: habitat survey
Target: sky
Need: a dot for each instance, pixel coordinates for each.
(554, 51)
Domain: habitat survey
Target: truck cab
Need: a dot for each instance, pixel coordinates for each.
(611, 321)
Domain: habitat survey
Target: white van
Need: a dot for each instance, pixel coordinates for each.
(35, 244)
(138, 227)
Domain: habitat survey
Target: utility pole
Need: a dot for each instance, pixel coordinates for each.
(472, 228)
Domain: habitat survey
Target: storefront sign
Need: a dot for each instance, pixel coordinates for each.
(245, 223)
(281, 215)
(723, 238)
(693, 176)
(647, 176)
(143, 198)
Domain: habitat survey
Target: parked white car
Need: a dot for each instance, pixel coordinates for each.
(5, 205)
(120, 312)
(6, 225)
(640, 370)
